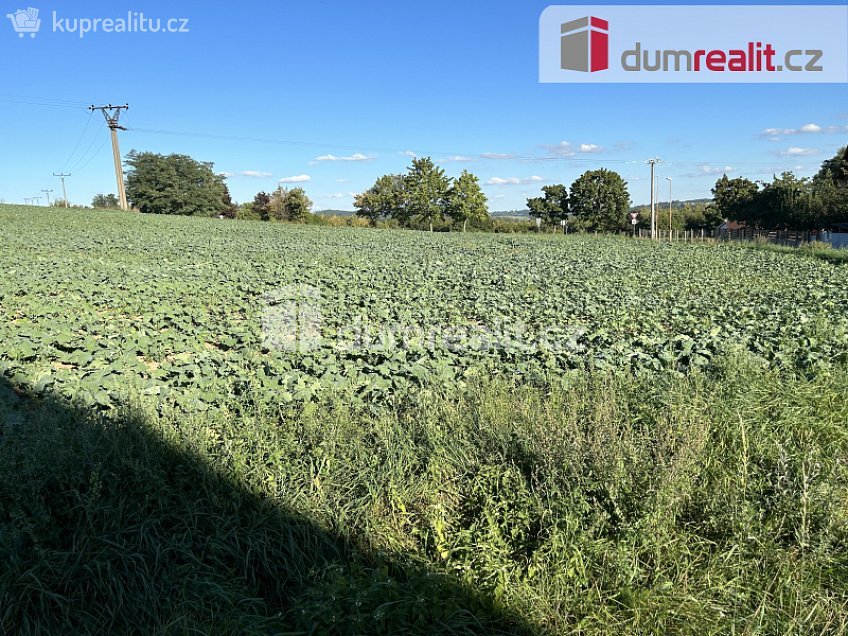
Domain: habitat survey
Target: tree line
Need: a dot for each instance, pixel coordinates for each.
(598, 201)
(425, 197)
(788, 202)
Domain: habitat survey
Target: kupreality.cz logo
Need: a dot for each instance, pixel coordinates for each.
(28, 22)
(709, 44)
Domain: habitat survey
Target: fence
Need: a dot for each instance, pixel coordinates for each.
(791, 238)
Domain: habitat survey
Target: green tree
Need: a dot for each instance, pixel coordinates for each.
(382, 200)
(786, 203)
(262, 206)
(247, 212)
(297, 206)
(835, 169)
(537, 207)
(105, 201)
(734, 199)
(231, 208)
(289, 205)
(600, 201)
(830, 187)
(553, 207)
(466, 201)
(426, 188)
(277, 205)
(174, 184)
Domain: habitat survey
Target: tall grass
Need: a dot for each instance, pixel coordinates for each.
(599, 504)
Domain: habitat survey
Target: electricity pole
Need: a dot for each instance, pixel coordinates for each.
(47, 192)
(653, 162)
(26, 201)
(112, 114)
(669, 208)
(37, 199)
(62, 175)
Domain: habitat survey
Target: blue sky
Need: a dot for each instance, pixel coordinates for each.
(332, 94)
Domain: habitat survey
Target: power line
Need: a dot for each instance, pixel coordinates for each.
(472, 157)
(79, 141)
(81, 168)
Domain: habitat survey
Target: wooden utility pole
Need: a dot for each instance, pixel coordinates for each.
(47, 192)
(112, 114)
(62, 176)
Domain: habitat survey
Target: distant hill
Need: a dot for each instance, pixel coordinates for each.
(336, 212)
(500, 214)
(674, 204)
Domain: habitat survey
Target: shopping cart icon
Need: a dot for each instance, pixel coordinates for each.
(25, 21)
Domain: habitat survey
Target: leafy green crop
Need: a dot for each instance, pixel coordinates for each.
(98, 304)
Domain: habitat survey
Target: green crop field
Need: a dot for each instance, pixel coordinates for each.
(243, 428)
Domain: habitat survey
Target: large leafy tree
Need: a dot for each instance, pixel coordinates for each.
(426, 188)
(262, 206)
(297, 206)
(382, 200)
(600, 201)
(830, 186)
(289, 205)
(836, 169)
(786, 202)
(735, 199)
(466, 201)
(553, 207)
(174, 184)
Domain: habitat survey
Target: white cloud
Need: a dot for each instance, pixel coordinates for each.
(255, 174)
(226, 175)
(499, 181)
(497, 156)
(706, 170)
(342, 180)
(798, 152)
(563, 149)
(590, 148)
(409, 153)
(456, 159)
(774, 134)
(301, 178)
(567, 149)
(358, 156)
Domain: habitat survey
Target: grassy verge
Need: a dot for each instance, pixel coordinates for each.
(609, 504)
(816, 249)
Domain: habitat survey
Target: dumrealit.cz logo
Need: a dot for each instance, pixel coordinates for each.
(710, 44)
(27, 22)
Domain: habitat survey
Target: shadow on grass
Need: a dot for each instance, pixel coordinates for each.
(112, 525)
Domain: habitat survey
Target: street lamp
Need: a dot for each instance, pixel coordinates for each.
(669, 208)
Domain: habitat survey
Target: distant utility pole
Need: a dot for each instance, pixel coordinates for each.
(112, 114)
(26, 201)
(47, 192)
(62, 176)
(37, 199)
(653, 162)
(669, 208)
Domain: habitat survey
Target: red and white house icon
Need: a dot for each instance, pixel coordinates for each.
(585, 45)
